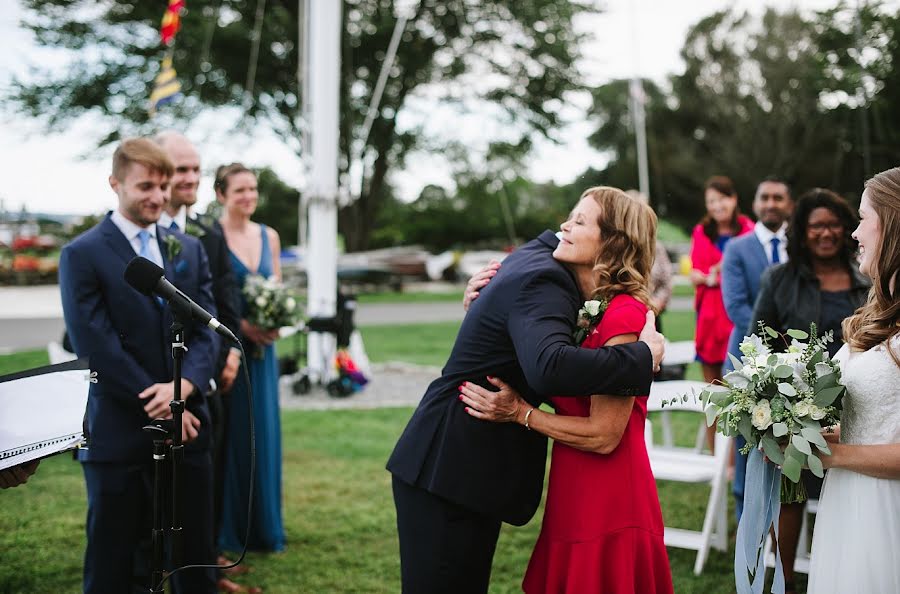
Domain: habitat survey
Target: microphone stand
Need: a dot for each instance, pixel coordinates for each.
(168, 430)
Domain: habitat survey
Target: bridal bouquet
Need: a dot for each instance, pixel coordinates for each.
(781, 402)
(269, 303)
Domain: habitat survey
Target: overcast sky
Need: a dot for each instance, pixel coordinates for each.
(53, 173)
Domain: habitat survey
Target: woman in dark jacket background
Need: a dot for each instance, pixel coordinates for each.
(820, 283)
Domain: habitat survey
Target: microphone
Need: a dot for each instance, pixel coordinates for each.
(149, 279)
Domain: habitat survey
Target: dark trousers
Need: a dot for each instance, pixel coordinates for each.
(218, 414)
(119, 521)
(444, 548)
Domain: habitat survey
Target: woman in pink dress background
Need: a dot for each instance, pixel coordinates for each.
(602, 529)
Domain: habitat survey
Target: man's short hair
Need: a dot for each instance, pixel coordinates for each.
(777, 179)
(143, 151)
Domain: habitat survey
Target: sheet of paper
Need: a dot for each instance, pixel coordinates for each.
(42, 414)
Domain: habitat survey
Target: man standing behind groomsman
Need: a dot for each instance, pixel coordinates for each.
(178, 216)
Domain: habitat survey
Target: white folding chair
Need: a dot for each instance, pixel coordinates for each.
(691, 465)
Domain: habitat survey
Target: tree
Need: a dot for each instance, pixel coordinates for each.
(519, 56)
(760, 96)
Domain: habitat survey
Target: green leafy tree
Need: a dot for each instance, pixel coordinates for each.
(760, 95)
(519, 56)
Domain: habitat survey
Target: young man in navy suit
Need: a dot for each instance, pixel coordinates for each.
(456, 478)
(126, 336)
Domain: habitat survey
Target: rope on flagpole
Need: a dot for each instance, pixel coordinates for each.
(256, 37)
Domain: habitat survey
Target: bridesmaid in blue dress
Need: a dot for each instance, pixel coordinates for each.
(253, 249)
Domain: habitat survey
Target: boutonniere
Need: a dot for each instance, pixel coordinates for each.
(192, 228)
(173, 245)
(588, 317)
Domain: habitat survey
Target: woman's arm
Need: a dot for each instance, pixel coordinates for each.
(880, 461)
(600, 432)
(275, 246)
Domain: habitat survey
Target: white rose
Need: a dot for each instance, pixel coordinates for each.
(290, 304)
(816, 413)
(801, 409)
(761, 415)
(261, 301)
(592, 307)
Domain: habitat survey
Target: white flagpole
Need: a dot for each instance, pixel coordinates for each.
(324, 31)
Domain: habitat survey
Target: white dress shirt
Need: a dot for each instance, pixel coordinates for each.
(180, 218)
(765, 235)
(130, 230)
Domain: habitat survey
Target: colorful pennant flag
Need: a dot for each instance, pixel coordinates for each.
(166, 87)
(171, 21)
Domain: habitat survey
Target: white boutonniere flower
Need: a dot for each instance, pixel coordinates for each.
(588, 317)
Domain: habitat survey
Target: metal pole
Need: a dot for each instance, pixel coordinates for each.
(636, 99)
(324, 85)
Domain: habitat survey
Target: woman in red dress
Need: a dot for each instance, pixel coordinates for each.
(723, 221)
(602, 530)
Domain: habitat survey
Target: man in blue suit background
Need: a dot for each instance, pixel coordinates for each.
(127, 337)
(743, 263)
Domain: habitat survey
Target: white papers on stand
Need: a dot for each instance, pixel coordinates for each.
(42, 411)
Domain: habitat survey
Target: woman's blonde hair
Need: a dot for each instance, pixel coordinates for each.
(879, 319)
(628, 235)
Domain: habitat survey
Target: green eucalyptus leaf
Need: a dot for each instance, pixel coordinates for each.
(825, 397)
(801, 444)
(779, 429)
(798, 334)
(770, 332)
(791, 469)
(711, 413)
(815, 465)
(772, 449)
(812, 436)
(735, 362)
(783, 371)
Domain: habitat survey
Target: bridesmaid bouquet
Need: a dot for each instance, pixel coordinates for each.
(781, 402)
(269, 303)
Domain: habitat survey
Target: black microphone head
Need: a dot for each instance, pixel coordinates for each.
(143, 275)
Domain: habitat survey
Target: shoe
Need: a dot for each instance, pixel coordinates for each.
(226, 585)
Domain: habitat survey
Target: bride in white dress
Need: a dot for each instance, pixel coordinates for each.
(856, 544)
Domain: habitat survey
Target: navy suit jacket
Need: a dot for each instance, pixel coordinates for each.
(520, 330)
(225, 289)
(743, 264)
(126, 335)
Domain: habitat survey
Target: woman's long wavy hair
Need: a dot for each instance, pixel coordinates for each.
(879, 319)
(628, 234)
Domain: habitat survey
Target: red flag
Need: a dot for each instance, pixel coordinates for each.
(171, 21)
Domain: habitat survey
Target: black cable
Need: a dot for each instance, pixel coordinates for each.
(245, 367)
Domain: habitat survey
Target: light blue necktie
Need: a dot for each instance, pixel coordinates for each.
(144, 236)
(776, 257)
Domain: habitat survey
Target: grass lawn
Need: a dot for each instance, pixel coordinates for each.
(338, 507)
(338, 511)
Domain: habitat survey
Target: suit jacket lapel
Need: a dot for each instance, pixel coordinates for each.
(118, 243)
(759, 251)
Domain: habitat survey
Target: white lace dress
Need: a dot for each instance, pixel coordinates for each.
(856, 544)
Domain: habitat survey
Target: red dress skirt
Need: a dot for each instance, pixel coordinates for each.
(602, 530)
